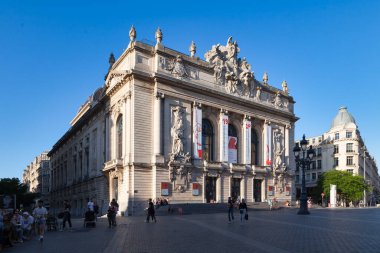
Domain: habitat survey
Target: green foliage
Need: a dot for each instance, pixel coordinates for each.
(349, 187)
(13, 186)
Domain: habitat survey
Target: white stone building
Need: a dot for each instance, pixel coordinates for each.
(170, 125)
(341, 148)
(37, 175)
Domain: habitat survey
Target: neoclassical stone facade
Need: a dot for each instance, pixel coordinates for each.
(172, 125)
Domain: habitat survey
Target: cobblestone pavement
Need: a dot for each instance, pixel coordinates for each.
(324, 230)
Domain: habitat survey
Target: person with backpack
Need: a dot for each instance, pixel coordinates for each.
(151, 211)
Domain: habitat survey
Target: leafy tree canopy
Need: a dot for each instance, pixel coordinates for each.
(10, 186)
(349, 187)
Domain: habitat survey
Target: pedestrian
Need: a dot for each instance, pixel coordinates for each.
(96, 210)
(90, 205)
(243, 210)
(270, 203)
(66, 214)
(151, 211)
(111, 213)
(40, 214)
(26, 225)
(230, 206)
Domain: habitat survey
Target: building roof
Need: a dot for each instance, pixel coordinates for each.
(342, 118)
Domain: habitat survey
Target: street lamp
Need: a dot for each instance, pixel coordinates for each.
(303, 161)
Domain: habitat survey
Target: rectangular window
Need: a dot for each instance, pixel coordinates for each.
(337, 136)
(319, 151)
(349, 160)
(319, 164)
(336, 149)
(350, 171)
(314, 176)
(336, 161)
(307, 177)
(348, 134)
(297, 178)
(349, 147)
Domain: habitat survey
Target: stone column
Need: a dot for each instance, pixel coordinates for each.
(157, 124)
(223, 137)
(247, 125)
(157, 139)
(219, 188)
(243, 187)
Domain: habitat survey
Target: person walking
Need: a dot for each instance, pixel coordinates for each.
(96, 210)
(40, 214)
(242, 207)
(151, 212)
(230, 206)
(112, 211)
(66, 214)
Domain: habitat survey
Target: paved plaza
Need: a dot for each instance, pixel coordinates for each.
(325, 230)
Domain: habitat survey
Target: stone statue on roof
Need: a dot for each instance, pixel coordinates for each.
(229, 70)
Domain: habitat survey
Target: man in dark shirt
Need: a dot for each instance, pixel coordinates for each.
(66, 214)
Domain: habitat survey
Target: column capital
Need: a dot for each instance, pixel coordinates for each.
(223, 111)
(267, 122)
(247, 117)
(197, 104)
(159, 95)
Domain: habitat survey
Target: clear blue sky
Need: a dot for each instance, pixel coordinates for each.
(54, 55)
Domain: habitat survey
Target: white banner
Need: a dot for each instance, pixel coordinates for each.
(197, 132)
(224, 138)
(232, 149)
(268, 148)
(247, 137)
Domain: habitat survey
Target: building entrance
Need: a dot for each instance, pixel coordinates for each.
(235, 188)
(210, 189)
(257, 189)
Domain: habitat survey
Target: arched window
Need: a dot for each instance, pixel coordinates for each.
(254, 147)
(207, 140)
(119, 136)
(232, 144)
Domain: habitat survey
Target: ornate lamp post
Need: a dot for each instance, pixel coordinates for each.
(303, 160)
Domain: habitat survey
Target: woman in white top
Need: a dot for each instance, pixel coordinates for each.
(40, 214)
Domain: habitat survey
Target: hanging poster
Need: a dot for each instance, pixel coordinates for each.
(268, 151)
(197, 132)
(270, 190)
(232, 149)
(196, 187)
(224, 137)
(164, 189)
(248, 125)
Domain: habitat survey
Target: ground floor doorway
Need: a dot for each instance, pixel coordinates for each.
(210, 190)
(235, 188)
(257, 189)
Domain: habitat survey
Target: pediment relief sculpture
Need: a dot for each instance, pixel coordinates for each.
(229, 70)
(176, 67)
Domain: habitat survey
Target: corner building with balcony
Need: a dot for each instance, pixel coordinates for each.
(170, 125)
(341, 148)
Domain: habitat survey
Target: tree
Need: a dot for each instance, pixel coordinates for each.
(13, 186)
(349, 187)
